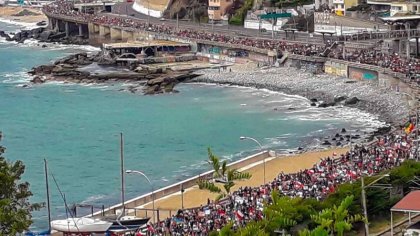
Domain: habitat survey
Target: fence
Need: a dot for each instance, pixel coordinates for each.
(174, 188)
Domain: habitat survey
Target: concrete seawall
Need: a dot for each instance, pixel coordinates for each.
(174, 188)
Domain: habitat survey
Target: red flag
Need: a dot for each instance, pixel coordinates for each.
(239, 215)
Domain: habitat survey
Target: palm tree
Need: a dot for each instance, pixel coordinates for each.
(281, 213)
(221, 174)
(335, 220)
(277, 216)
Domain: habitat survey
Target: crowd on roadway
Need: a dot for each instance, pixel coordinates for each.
(391, 61)
(246, 204)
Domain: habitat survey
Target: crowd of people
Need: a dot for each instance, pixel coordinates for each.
(317, 182)
(394, 62)
(246, 204)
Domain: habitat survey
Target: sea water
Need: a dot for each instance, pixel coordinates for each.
(76, 128)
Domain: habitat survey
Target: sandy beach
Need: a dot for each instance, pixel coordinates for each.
(194, 197)
(9, 12)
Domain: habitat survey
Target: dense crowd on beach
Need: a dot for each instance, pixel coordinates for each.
(394, 62)
(246, 204)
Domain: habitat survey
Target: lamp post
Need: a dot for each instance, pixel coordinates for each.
(261, 148)
(148, 13)
(148, 180)
(364, 199)
(417, 122)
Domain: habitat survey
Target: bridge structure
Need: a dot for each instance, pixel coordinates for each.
(82, 25)
(118, 30)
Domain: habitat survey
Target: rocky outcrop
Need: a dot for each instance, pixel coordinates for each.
(37, 80)
(351, 101)
(340, 99)
(4, 35)
(76, 59)
(326, 104)
(70, 69)
(41, 23)
(166, 83)
(26, 12)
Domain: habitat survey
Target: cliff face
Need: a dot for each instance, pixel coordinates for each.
(187, 9)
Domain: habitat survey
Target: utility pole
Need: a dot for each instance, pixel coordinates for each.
(272, 28)
(148, 13)
(408, 40)
(48, 195)
(177, 22)
(364, 204)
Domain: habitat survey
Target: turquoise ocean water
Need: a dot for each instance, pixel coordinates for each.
(77, 128)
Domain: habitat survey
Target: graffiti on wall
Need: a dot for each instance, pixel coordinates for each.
(362, 74)
(337, 69)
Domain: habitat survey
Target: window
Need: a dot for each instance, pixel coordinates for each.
(214, 8)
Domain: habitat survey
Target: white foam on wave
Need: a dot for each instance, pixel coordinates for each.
(94, 198)
(16, 78)
(23, 25)
(353, 115)
(55, 47)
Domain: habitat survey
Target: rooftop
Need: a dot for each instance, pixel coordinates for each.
(410, 203)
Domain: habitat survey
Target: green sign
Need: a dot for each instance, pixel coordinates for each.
(275, 15)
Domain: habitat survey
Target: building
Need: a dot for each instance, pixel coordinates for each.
(153, 8)
(340, 6)
(217, 9)
(389, 8)
(94, 7)
(325, 3)
(253, 21)
(405, 8)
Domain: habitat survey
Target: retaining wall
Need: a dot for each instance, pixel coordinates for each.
(174, 188)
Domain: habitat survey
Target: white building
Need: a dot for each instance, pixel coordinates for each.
(253, 21)
(319, 3)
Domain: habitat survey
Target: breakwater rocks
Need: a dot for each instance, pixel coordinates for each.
(321, 90)
(44, 36)
(74, 69)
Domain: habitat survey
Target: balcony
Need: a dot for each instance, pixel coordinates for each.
(379, 2)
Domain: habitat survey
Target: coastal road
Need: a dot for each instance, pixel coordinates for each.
(125, 9)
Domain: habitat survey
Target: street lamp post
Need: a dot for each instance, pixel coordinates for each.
(148, 13)
(153, 191)
(364, 199)
(261, 148)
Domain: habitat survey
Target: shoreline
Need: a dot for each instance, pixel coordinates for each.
(321, 90)
(194, 197)
(191, 195)
(8, 12)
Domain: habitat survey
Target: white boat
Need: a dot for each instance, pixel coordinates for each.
(80, 225)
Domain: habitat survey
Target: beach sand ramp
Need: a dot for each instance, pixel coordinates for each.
(194, 197)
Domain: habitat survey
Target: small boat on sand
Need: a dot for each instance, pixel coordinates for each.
(81, 225)
(125, 222)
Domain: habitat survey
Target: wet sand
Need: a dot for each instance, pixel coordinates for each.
(194, 197)
(8, 12)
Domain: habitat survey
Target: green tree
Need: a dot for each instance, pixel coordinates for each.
(282, 213)
(15, 209)
(222, 174)
(335, 220)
